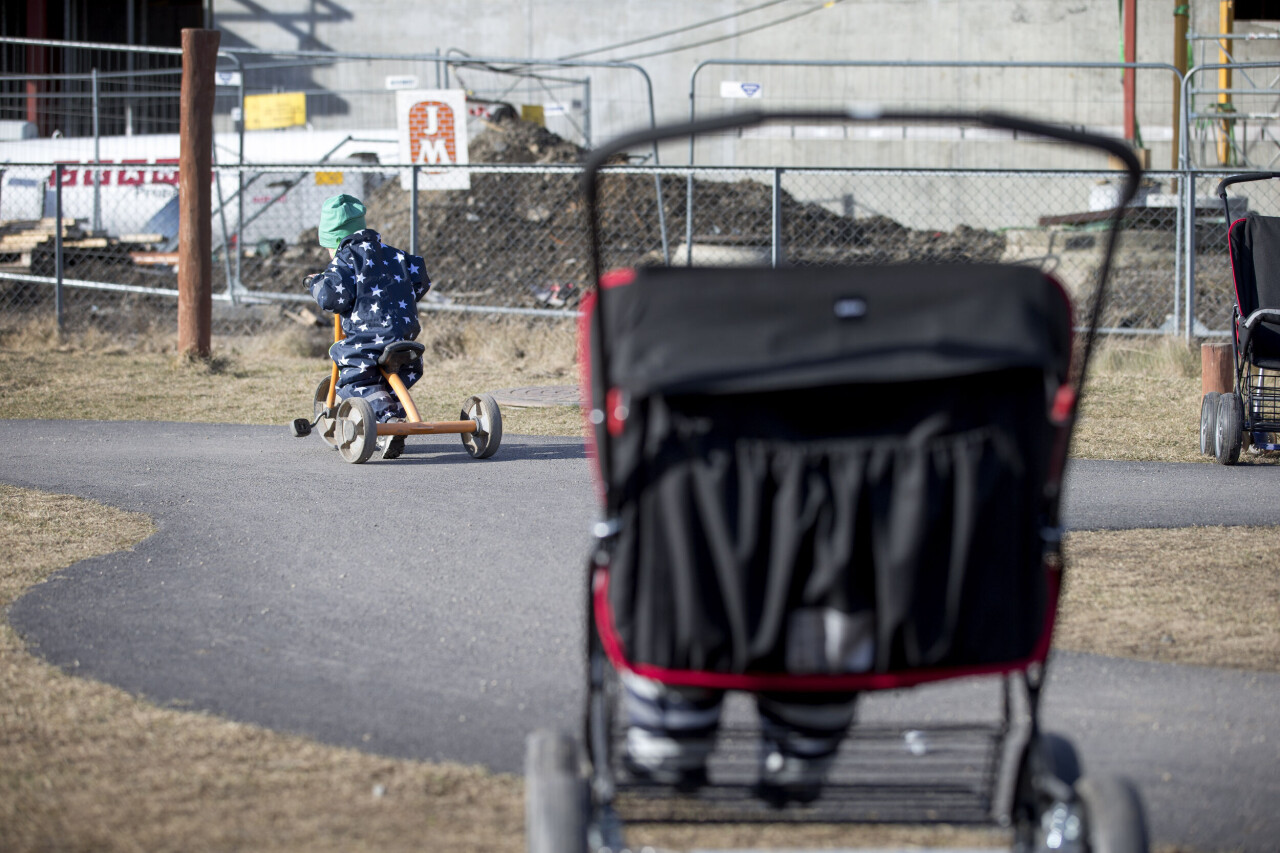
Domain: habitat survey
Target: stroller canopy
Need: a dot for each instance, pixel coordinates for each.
(749, 330)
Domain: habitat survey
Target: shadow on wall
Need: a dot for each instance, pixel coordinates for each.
(265, 74)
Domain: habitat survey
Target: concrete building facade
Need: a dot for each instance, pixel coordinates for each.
(669, 39)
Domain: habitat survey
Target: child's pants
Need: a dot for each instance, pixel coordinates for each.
(359, 376)
(673, 728)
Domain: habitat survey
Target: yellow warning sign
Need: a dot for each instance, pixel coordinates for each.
(533, 113)
(265, 112)
(328, 178)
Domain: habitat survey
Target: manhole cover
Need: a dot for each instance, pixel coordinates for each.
(537, 396)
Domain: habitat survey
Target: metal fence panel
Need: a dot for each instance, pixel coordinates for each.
(515, 241)
(1212, 288)
(1232, 125)
(1087, 95)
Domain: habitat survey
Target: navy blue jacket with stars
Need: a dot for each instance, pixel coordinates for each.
(374, 288)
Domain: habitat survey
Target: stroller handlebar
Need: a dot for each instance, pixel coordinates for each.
(1244, 178)
(601, 156)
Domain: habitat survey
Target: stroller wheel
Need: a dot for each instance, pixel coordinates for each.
(555, 810)
(1061, 760)
(1229, 429)
(1208, 422)
(1113, 817)
(357, 430)
(1049, 768)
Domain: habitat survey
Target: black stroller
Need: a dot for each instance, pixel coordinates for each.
(799, 462)
(1250, 411)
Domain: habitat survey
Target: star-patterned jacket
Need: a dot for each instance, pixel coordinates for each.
(375, 288)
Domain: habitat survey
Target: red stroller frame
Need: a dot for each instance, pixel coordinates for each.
(1251, 409)
(863, 440)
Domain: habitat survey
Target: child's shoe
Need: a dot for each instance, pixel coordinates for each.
(680, 763)
(790, 778)
(391, 445)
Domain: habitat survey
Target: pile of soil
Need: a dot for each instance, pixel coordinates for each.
(520, 239)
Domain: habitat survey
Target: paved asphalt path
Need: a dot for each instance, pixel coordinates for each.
(430, 607)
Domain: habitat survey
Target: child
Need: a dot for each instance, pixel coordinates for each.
(375, 289)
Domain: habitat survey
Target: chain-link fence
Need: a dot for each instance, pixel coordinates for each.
(515, 240)
(71, 90)
(1086, 95)
(1210, 290)
(1230, 115)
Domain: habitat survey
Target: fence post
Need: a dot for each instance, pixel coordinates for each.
(195, 234)
(1179, 234)
(413, 210)
(586, 113)
(57, 244)
(97, 160)
(776, 237)
(240, 177)
(226, 238)
(662, 219)
(1190, 312)
(688, 215)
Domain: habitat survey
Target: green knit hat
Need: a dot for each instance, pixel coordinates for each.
(340, 217)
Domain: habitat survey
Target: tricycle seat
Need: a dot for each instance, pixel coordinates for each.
(397, 355)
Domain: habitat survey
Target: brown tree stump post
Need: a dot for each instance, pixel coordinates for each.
(1217, 369)
(195, 171)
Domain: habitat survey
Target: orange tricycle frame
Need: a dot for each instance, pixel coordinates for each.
(413, 424)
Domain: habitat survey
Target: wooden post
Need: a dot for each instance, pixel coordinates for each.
(1217, 369)
(1180, 14)
(195, 168)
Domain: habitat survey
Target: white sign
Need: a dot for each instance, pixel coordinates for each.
(736, 89)
(553, 109)
(433, 132)
(226, 78)
(403, 81)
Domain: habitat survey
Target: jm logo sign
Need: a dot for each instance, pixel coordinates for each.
(433, 132)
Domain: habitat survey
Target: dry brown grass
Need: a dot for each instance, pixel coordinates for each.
(86, 767)
(272, 378)
(1142, 402)
(1199, 595)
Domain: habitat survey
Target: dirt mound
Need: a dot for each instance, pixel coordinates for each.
(511, 140)
(520, 238)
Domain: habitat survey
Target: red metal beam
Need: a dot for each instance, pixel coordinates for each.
(37, 28)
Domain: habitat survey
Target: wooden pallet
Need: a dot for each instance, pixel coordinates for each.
(22, 240)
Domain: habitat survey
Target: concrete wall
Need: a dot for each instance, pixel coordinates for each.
(971, 30)
(865, 30)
